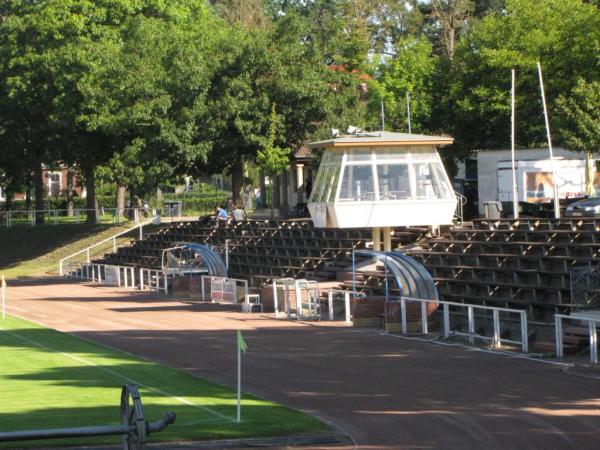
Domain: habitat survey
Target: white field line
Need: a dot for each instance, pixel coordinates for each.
(123, 377)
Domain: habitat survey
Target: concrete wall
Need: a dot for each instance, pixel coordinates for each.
(487, 168)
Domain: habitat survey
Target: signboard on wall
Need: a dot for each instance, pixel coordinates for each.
(223, 290)
(535, 181)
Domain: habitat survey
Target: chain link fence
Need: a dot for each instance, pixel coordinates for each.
(585, 288)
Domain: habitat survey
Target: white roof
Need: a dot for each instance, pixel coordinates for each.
(382, 139)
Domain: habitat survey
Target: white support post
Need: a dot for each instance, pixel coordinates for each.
(347, 307)
(559, 336)
(298, 300)
(93, 273)
(149, 280)
(330, 303)
(403, 314)
(446, 321)
(227, 256)
(524, 333)
(275, 302)
(141, 230)
(512, 147)
(424, 324)
(593, 342)
(125, 275)
(166, 285)
(88, 255)
(202, 295)
(141, 279)
(471, 325)
(114, 244)
(554, 179)
(496, 315)
(132, 274)
(60, 268)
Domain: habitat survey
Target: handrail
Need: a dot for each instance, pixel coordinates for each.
(593, 334)
(462, 201)
(104, 241)
(496, 339)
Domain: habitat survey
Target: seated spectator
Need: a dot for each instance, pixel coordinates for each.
(221, 215)
(239, 215)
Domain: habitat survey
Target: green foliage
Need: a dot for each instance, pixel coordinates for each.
(563, 34)
(272, 159)
(410, 71)
(580, 115)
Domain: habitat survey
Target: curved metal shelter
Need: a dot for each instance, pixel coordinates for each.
(190, 257)
(411, 277)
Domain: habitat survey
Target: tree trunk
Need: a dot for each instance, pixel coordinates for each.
(38, 184)
(70, 176)
(275, 197)
(263, 191)
(90, 187)
(28, 205)
(236, 180)
(120, 202)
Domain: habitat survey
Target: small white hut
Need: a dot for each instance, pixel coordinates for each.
(380, 180)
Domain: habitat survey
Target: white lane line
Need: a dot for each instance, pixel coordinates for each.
(118, 375)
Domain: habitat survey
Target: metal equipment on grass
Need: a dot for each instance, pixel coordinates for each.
(134, 427)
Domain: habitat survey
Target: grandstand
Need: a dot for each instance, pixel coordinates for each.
(521, 263)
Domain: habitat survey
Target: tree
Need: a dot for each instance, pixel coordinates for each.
(446, 20)
(410, 72)
(273, 160)
(580, 124)
(563, 34)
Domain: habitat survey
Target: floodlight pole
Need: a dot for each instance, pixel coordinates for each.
(554, 180)
(408, 111)
(512, 147)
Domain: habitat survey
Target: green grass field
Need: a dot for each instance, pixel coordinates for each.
(51, 379)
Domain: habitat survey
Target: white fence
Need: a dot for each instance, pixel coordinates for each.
(125, 276)
(593, 334)
(77, 215)
(496, 338)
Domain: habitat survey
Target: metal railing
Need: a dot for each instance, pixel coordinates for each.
(593, 334)
(460, 206)
(496, 339)
(153, 280)
(75, 216)
(339, 294)
(113, 239)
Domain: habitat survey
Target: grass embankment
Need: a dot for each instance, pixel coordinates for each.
(50, 379)
(34, 251)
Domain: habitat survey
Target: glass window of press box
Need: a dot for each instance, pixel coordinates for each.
(382, 174)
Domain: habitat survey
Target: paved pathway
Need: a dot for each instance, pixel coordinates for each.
(385, 392)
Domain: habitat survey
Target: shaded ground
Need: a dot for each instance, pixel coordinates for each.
(29, 251)
(385, 392)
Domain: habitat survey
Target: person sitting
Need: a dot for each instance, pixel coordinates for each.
(239, 215)
(221, 215)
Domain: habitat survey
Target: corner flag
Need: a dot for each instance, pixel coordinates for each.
(241, 344)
